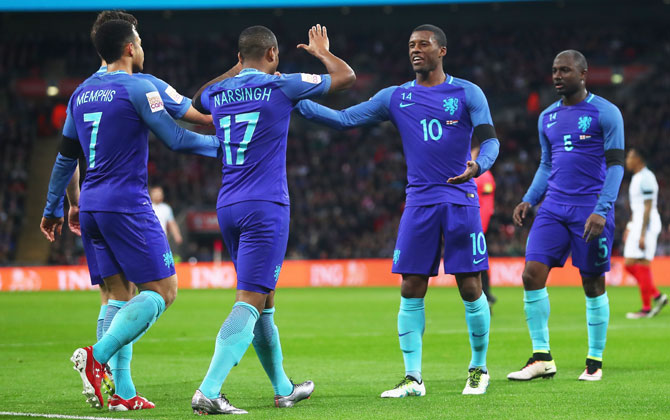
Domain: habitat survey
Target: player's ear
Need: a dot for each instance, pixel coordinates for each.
(239, 58)
(271, 54)
(443, 51)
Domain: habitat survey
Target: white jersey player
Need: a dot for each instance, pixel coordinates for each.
(164, 214)
(642, 232)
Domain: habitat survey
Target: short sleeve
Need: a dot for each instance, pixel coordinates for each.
(647, 184)
(175, 104)
(299, 86)
(477, 105)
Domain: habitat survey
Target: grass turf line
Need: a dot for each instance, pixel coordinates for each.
(346, 341)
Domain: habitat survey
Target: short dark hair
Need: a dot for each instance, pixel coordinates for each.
(440, 37)
(577, 57)
(639, 152)
(107, 15)
(255, 41)
(111, 37)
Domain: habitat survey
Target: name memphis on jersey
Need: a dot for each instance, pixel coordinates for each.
(100, 95)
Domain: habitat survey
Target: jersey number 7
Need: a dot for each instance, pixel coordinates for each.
(251, 118)
(95, 118)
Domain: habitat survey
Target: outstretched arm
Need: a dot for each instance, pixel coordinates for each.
(163, 126)
(373, 111)
(341, 75)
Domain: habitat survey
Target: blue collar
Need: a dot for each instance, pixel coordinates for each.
(249, 70)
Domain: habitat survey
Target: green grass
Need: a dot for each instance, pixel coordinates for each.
(346, 341)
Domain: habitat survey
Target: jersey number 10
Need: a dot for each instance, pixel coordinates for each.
(251, 118)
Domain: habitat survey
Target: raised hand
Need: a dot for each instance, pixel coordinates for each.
(318, 41)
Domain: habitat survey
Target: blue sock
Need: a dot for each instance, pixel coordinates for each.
(232, 342)
(411, 324)
(101, 319)
(478, 318)
(132, 320)
(536, 306)
(119, 363)
(597, 319)
(268, 348)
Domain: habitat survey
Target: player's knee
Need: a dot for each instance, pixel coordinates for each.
(532, 278)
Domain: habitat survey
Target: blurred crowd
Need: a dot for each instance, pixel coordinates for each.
(347, 188)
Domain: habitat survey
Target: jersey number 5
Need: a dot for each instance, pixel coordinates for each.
(251, 118)
(93, 117)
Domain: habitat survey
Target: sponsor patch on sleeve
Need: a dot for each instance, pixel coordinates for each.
(155, 101)
(172, 93)
(311, 78)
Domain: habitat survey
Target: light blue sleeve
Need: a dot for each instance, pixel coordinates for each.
(297, 86)
(60, 176)
(540, 182)
(488, 153)
(163, 126)
(69, 128)
(175, 104)
(611, 123)
(373, 111)
(477, 105)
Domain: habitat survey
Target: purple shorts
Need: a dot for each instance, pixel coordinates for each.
(421, 234)
(256, 235)
(133, 244)
(557, 231)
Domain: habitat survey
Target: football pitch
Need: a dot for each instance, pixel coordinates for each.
(345, 340)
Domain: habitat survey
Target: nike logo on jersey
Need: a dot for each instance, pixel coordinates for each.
(601, 263)
(402, 105)
(478, 261)
(400, 335)
(551, 123)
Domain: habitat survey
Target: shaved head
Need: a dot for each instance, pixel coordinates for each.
(577, 57)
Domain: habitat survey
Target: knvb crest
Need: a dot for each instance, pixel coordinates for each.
(584, 123)
(167, 259)
(450, 105)
(396, 256)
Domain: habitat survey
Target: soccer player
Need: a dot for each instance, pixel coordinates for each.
(164, 213)
(110, 116)
(178, 107)
(436, 115)
(251, 113)
(582, 141)
(486, 189)
(642, 233)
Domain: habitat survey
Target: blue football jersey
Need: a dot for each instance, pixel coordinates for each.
(435, 124)
(574, 139)
(175, 104)
(111, 114)
(251, 114)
